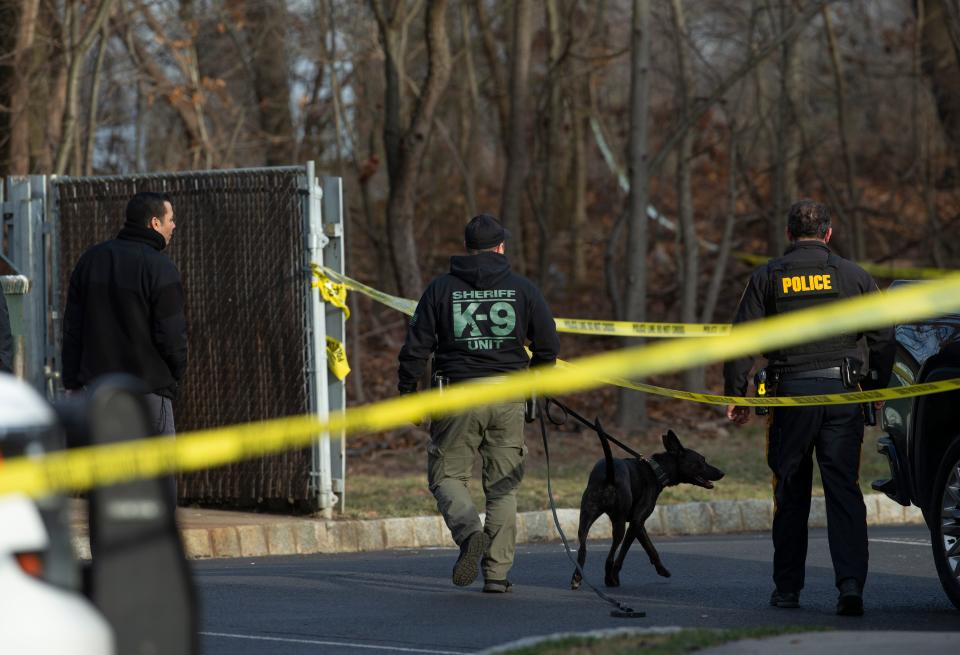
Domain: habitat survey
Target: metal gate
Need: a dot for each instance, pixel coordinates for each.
(256, 327)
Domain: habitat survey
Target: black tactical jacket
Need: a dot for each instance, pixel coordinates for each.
(809, 274)
(476, 320)
(125, 314)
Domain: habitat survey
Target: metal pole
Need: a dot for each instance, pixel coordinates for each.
(333, 254)
(52, 269)
(317, 374)
(27, 194)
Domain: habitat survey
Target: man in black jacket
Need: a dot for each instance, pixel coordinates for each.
(475, 321)
(807, 275)
(125, 309)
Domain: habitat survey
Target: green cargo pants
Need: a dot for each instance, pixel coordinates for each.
(496, 433)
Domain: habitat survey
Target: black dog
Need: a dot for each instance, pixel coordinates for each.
(627, 490)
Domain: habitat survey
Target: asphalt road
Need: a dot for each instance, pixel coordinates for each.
(404, 602)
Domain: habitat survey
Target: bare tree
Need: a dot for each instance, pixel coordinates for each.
(551, 126)
(20, 87)
(498, 77)
(268, 46)
(940, 42)
(693, 379)
(515, 176)
(786, 132)
(843, 129)
(632, 409)
(404, 154)
(723, 255)
(93, 107)
(77, 56)
(579, 163)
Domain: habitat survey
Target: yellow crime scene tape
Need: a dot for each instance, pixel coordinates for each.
(847, 398)
(83, 468)
(409, 306)
(571, 325)
(878, 270)
(337, 358)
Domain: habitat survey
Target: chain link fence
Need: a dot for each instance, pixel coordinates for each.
(239, 246)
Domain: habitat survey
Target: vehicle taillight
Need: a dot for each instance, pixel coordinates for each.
(31, 563)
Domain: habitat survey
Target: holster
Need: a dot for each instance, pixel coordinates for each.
(852, 371)
(530, 409)
(440, 381)
(766, 382)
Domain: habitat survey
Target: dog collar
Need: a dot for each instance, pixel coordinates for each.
(663, 478)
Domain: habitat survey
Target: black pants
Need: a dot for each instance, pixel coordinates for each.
(836, 433)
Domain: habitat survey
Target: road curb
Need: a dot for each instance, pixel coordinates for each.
(303, 536)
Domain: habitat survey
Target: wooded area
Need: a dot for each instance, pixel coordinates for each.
(631, 146)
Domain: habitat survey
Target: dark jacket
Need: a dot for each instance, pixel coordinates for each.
(477, 320)
(125, 314)
(6, 337)
(806, 275)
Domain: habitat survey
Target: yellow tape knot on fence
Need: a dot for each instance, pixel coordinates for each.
(330, 291)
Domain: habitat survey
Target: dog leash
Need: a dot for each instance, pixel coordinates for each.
(662, 477)
(621, 611)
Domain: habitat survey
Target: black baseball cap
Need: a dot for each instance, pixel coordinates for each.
(483, 232)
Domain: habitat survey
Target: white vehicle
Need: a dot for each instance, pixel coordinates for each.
(41, 612)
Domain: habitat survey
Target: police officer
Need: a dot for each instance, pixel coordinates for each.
(475, 321)
(807, 275)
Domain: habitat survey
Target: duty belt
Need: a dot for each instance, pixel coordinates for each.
(832, 373)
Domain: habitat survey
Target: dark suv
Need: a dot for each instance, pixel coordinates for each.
(922, 442)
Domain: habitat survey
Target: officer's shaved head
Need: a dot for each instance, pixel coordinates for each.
(808, 220)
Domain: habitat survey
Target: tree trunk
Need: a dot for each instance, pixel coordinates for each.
(393, 38)
(77, 57)
(581, 127)
(554, 154)
(940, 40)
(515, 177)
(496, 70)
(469, 100)
(268, 45)
(786, 134)
(56, 100)
(843, 128)
(632, 409)
(693, 379)
(723, 256)
(20, 88)
(94, 102)
(410, 152)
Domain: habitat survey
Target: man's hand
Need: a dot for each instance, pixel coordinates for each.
(738, 414)
(406, 391)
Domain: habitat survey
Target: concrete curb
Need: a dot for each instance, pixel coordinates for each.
(298, 536)
(611, 633)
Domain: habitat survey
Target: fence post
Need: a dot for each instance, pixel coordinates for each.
(52, 300)
(27, 196)
(333, 254)
(320, 473)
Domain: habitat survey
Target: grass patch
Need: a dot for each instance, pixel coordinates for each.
(394, 483)
(685, 641)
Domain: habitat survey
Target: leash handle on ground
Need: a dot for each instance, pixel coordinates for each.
(622, 610)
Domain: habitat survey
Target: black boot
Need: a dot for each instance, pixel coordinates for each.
(850, 602)
(785, 599)
(468, 564)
